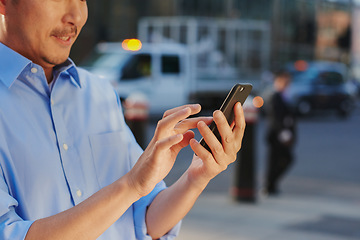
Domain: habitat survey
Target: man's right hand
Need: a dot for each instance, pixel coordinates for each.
(171, 135)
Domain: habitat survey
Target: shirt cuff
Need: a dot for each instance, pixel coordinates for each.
(12, 227)
(173, 233)
(140, 208)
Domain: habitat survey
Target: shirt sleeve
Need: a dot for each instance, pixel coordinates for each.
(11, 225)
(140, 208)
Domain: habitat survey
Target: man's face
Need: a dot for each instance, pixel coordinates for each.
(43, 30)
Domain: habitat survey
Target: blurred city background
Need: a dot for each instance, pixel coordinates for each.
(161, 54)
(308, 29)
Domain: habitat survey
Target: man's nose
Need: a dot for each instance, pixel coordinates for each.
(76, 13)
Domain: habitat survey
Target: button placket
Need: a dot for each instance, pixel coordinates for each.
(68, 151)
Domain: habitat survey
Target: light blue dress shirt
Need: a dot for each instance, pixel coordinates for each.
(60, 145)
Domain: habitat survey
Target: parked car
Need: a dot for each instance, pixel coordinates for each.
(320, 85)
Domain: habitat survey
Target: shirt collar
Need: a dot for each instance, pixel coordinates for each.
(70, 68)
(12, 64)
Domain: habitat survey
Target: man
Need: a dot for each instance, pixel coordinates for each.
(280, 134)
(69, 166)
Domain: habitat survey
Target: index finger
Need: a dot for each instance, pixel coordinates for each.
(170, 121)
(195, 108)
(191, 123)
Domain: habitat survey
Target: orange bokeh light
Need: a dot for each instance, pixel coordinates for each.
(301, 65)
(132, 44)
(258, 102)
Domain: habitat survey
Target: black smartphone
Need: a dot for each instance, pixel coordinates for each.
(238, 93)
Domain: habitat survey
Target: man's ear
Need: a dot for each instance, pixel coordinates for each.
(2, 7)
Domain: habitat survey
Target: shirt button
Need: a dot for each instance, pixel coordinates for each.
(34, 70)
(65, 146)
(52, 102)
(79, 193)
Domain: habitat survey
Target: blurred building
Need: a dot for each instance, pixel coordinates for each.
(301, 29)
(355, 41)
(311, 30)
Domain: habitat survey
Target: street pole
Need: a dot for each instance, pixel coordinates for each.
(244, 188)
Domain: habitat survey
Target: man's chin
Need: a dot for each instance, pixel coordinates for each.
(54, 61)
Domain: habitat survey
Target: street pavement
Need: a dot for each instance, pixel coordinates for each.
(319, 211)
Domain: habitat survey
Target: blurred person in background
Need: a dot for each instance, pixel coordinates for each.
(69, 166)
(280, 133)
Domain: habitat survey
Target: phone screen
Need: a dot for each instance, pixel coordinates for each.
(238, 93)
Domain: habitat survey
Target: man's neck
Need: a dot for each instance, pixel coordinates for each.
(49, 74)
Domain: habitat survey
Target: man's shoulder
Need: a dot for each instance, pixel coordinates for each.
(94, 85)
(85, 74)
(89, 79)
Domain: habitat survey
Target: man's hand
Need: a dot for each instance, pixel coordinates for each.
(172, 204)
(171, 135)
(206, 165)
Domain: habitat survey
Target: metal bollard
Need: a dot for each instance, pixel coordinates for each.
(136, 113)
(244, 189)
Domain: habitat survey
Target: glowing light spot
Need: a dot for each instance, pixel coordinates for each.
(258, 102)
(132, 44)
(301, 65)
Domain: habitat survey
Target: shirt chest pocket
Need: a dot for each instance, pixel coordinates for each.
(110, 155)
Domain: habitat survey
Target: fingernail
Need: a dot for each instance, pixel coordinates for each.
(178, 136)
(196, 106)
(202, 123)
(187, 109)
(217, 112)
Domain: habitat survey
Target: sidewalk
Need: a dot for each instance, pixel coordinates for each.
(306, 210)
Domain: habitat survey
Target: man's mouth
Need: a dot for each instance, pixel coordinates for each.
(64, 38)
(65, 35)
